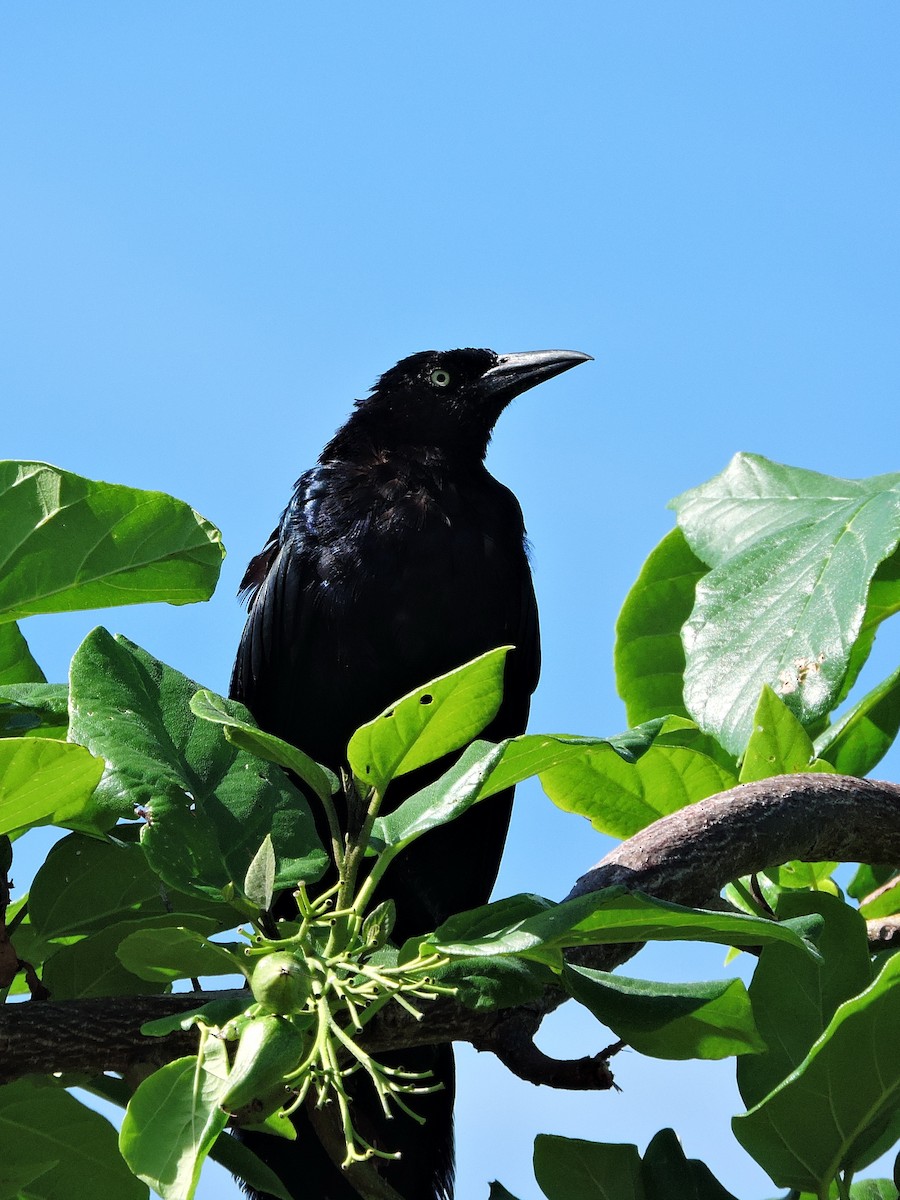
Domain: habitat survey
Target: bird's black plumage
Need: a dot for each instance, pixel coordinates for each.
(398, 558)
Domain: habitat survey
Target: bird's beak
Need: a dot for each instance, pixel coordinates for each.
(516, 373)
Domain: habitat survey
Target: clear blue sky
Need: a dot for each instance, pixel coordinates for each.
(221, 220)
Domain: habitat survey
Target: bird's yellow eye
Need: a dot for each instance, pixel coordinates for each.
(440, 378)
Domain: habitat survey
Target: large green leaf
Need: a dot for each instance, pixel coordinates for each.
(484, 769)
(836, 1106)
(164, 953)
(71, 543)
(17, 664)
(90, 967)
(778, 745)
(669, 1020)
(793, 553)
(242, 732)
(542, 930)
(208, 806)
(69, 1150)
(795, 997)
(860, 739)
(434, 720)
(45, 782)
(668, 1174)
(649, 655)
(173, 1120)
(619, 797)
(86, 884)
(573, 1169)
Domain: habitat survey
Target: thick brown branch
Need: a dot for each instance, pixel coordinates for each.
(686, 857)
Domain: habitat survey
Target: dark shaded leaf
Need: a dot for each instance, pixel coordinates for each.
(669, 1020)
(795, 997)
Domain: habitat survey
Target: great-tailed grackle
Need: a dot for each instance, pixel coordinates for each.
(398, 558)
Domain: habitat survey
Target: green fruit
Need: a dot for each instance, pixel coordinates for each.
(281, 982)
(270, 1048)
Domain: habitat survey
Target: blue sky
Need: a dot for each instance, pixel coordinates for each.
(221, 221)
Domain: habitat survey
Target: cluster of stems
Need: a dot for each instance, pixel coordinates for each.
(351, 977)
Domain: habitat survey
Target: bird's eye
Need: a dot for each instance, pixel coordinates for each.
(440, 378)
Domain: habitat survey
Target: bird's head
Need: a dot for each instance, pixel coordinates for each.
(450, 399)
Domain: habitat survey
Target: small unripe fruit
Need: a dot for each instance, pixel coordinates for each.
(270, 1048)
(281, 982)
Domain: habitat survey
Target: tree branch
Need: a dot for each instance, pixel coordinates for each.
(686, 857)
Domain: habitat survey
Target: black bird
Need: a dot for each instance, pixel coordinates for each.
(398, 558)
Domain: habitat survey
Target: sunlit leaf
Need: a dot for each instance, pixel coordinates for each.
(649, 655)
(792, 554)
(67, 543)
(434, 720)
(43, 782)
(173, 1120)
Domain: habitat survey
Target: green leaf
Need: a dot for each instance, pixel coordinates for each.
(795, 997)
(669, 1175)
(86, 884)
(815, 876)
(619, 797)
(836, 1105)
(572, 1169)
(90, 967)
(778, 745)
(70, 543)
(173, 1120)
(69, 1149)
(488, 984)
(499, 1192)
(485, 769)
(45, 782)
(863, 1189)
(259, 882)
(432, 721)
(868, 877)
(873, 1189)
(613, 915)
(793, 553)
(442, 801)
(649, 655)
(17, 665)
(217, 1012)
(669, 1020)
(165, 953)
(208, 805)
(242, 732)
(860, 739)
(34, 709)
